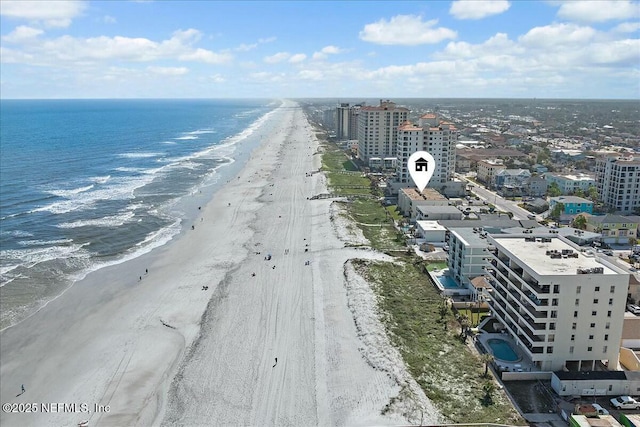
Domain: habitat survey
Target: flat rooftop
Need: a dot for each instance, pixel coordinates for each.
(534, 254)
(427, 194)
(469, 237)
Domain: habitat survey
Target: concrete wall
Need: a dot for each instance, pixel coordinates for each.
(526, 376)
(629, 359)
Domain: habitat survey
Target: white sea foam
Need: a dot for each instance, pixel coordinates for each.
(200, 132)
(120, 189)
(186, 137)
(44, 242)
(71, 192)
(107, 221)
(33, 256)
(16, 233)
(100, 179)
(169, 142)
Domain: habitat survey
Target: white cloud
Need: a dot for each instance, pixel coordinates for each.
(627, 27)
(68, 50)
(278, 57)
(478, 9)
(298, 57)
(217, 78)
(332, 50)
(52, 13)
(246, 47)
(22, 34)
(554, 35)
(108, 19)
(599, 10)
(168, 71)
(408, 30)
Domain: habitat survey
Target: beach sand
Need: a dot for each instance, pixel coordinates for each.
(163, 350)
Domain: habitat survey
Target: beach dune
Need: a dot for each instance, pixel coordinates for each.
(195, 341)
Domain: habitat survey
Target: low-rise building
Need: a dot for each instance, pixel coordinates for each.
(410, 198)
(431, 231)
(488, 168)
(572, 204)
(435, 213)
(535, 186)
(614, 229)
(569, 184)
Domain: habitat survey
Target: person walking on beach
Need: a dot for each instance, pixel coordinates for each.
(23, 388)
(274, 365)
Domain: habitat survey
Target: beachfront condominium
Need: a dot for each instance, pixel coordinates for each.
(347, 121)
(377, 130)
(618, 183)
(433, 135)
(564, 308)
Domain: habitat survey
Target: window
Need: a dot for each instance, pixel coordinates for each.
(554, 301)
(575, 314)
(590, 337)
(571, 349)
(610, 301)
(593, 325)
(594, 313)
(573, 326)
(595, 300)
(578, 289)
(597, 288)
(573, 337)
(609, 313)
(606, 337)
(607, 326)
(612, 289)
(549, 350)
(589, 348)
(604, 349)
(577, 301)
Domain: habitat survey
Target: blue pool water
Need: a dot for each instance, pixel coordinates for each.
(448, 282)
(502, 350)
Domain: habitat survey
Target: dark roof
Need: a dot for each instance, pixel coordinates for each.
(591, 375)
(529, 223)
(612, 219)
(493, 223)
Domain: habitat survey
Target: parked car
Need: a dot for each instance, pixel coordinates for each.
(633, 309)
(625, 402)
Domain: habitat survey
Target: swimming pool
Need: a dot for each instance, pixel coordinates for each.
(502, 350)
(447, 282)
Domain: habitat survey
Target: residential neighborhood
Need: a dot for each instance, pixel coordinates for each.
(532, 220)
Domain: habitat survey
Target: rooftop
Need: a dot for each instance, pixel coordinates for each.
(535, 254)
(570, 199)
(430, 226)
(469, 237)
(439, 209)
(427, 194)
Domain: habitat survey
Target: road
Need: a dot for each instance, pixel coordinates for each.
(499, 202)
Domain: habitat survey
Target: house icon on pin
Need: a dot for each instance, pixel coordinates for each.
(421, 165)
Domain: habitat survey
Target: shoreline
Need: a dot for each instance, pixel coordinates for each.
(165, 350)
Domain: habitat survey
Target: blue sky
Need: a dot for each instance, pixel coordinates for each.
(337, 49)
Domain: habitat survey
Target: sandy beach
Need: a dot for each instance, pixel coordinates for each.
(195, 341)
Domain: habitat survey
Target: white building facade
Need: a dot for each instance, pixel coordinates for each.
(562, 307)
(569, 184)
(618, 183)
(433, 135)
(378, 128)
(467, 254)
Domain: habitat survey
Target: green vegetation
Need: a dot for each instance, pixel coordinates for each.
(394, 213)
(436, 265)
(418, 319)
(474, 315)
(423, 329)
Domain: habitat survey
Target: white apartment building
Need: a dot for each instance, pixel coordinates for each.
(467, 254)
(569, 184)
(618, 183)
(378, 130)
(563, 308)
(487, 169)
(433, 135)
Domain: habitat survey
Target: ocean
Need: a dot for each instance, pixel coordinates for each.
(90, 183)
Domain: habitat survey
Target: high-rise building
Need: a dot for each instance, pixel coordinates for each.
(563, 308)
(347, 121)
(618, 183)
(433, 135)
(377, 130)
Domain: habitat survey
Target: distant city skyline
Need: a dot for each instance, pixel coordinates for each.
(320, 49)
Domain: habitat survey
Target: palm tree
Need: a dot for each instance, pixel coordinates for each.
(486, 358)
(464, 325)
(488, 388)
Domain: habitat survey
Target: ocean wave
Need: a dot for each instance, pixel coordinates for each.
(139, 155)
(186, 137)
(71, 192)
(107, 221)
(31, 257)
(120, 189)
(200, 132)
(100, 179)
(16, 233)
(169, 142)
(44, 242)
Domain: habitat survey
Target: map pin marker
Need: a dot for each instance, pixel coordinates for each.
(421, 166)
